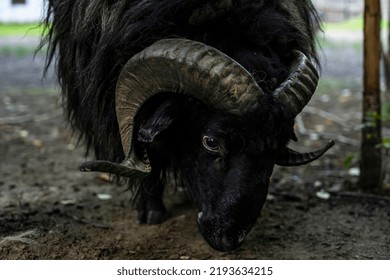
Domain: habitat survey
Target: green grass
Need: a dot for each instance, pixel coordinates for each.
(20, 29)
(16, 29)
(353, 24)
(20, 51)
(33, 91)
(329, 86)
(324, 43)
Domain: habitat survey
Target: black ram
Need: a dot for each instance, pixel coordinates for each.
(207, 90)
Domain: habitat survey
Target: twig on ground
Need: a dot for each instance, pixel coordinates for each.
(87, 222)
(25, 237)
(327, 115)
(361, 195)
(337, 137)
(336, 119)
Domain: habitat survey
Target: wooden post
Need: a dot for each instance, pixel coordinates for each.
(386, 60)
(371, 174)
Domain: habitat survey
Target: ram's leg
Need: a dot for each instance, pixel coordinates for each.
(150, 206)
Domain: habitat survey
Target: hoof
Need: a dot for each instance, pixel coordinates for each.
(151, 217)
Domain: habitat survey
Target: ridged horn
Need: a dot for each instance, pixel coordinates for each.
(289, 157)
(180, 66)
(300, 85)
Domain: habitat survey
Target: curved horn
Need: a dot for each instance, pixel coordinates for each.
(108, 167)
(290, 157)
(180, 66)
(300, 85)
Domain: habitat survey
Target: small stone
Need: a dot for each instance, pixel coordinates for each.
(68, 202)
(37, 143)
(323, 195)
(23, 133)
(104, 196)
(354, 171)
(70, 147)
(105, 177)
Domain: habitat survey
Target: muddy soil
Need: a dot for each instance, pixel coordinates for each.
(49, 210)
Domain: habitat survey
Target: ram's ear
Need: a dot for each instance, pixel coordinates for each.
(159, 121)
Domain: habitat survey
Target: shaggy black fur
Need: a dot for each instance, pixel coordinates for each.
(94, 38)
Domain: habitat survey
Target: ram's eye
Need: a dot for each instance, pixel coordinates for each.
(210, 143)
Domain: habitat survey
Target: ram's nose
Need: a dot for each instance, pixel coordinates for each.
(220, 235)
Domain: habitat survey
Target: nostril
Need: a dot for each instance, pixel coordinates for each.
(226, 242)
(221, 235)
(232, 243)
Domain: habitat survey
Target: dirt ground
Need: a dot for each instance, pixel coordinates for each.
(49, 210)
